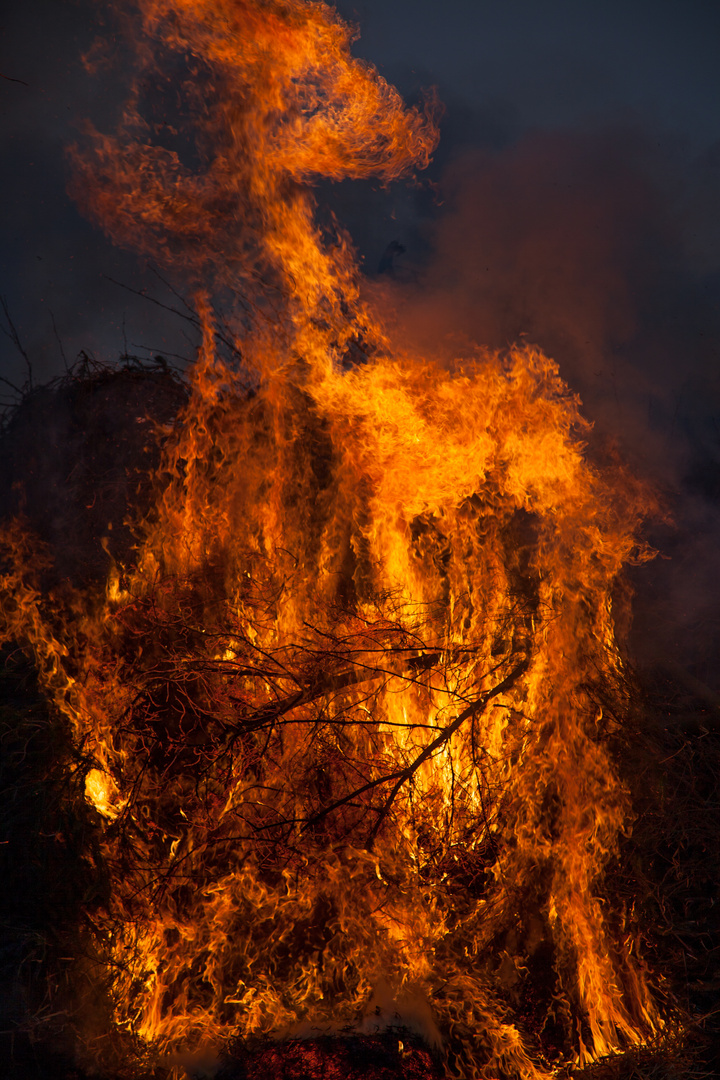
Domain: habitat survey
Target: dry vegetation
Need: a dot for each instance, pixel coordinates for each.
(667, 745)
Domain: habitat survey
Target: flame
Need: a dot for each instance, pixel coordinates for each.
(348, 712)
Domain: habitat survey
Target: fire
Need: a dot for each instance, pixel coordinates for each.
(348, 712)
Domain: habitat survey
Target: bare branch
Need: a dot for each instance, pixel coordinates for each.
(176, 294)
(13, 335)
(11, 385)
(153, 300)
(59, 341)
(9, 78)
(192, 318)
(401, 776)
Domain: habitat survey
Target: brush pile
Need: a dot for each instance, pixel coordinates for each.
(665, 745)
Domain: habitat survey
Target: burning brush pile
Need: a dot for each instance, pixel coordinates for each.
(339, 725)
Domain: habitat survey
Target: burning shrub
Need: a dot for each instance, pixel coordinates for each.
(346, 706)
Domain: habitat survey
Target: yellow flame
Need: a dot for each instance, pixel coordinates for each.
(347, 698)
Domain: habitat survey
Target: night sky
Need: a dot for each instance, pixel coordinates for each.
(574, 202)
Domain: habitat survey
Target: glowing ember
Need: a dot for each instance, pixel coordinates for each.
(344, 711)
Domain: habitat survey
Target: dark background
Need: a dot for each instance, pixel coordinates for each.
(574, 202)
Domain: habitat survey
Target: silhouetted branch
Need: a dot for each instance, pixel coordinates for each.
(11, 333)
(59, 341)
(401, 776)
(9, 78)
(192, 318)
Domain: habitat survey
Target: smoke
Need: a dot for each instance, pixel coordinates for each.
(599, 245)
(597, 239)
(56, 268)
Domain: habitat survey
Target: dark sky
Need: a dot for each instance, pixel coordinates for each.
(575, 200)
(504, 70)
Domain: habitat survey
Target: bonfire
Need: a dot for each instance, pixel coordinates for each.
(345, 712)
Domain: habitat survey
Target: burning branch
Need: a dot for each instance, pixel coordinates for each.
(403, 776)
(339, 570)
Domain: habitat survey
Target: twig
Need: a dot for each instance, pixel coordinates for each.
(9, 78)
(176, 294)
(192, 319)
(445, 735)
(161, 356)
(405, 774)
(59, 341)
(10, 384)
(145, 296)
(15, 338)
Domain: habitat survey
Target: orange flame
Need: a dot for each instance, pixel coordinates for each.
(345, 708)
